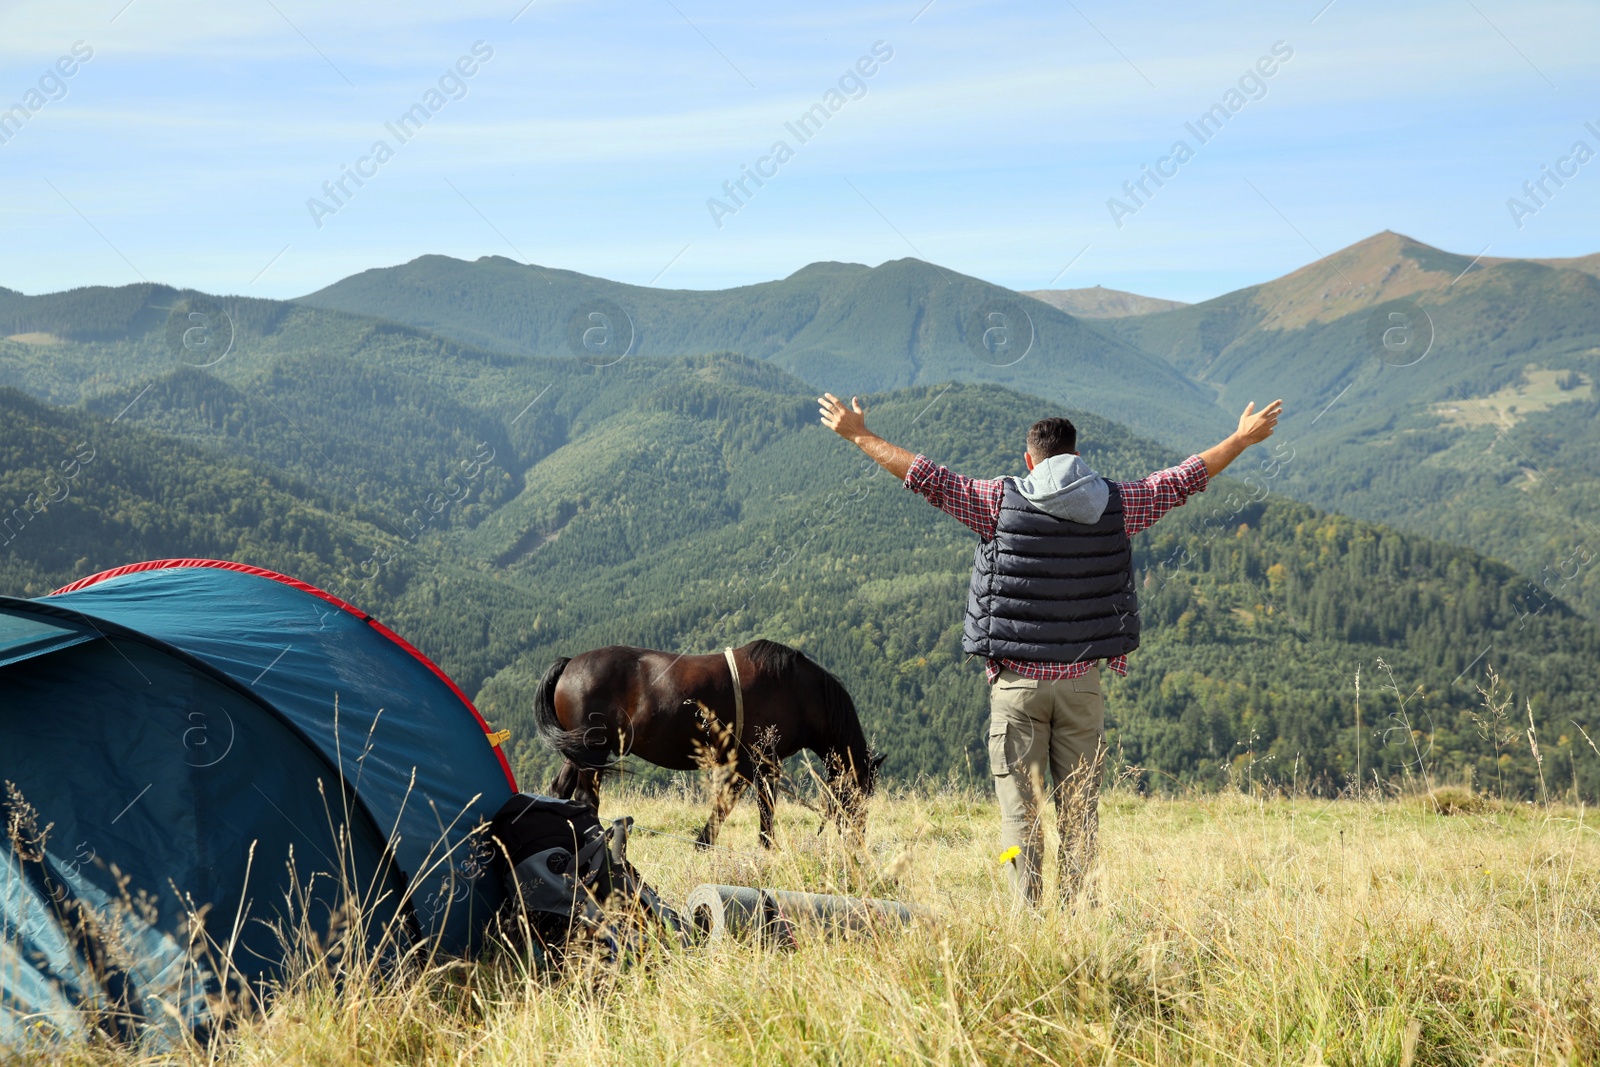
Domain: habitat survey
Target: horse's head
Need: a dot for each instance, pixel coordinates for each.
(851, 783)
(849, 773)
(873, 763)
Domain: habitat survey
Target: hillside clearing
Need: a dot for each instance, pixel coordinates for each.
(1538, 390)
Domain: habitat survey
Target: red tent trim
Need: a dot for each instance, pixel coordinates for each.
(260, 572)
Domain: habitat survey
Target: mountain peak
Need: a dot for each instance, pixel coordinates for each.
(910, 266)
(829, 268)
(1385, 266)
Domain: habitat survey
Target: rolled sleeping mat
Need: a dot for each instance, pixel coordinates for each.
(721, 911)
(789, 913)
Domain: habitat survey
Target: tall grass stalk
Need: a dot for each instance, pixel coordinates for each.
(1229, 929)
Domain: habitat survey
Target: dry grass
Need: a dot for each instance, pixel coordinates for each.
(1229, 930)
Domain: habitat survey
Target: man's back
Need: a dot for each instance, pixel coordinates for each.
(1052, 594)
(1051, 589)
(977, 503)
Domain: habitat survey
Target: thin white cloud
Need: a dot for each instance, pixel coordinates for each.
(993, 137)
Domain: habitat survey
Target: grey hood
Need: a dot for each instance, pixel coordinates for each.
(1065, 487)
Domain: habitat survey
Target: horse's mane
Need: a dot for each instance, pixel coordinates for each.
(784, 663)
(773, 658)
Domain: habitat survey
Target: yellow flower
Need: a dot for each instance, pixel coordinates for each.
(1009, 854)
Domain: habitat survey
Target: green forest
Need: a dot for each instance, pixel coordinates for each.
(501, 508)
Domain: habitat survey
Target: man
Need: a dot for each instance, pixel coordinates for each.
(1051, 597)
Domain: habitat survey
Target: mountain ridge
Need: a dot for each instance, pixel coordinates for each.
(838, 326)
(1098, 302)
(1486, 435)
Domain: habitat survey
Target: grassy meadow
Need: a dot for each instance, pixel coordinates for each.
(1227, 929)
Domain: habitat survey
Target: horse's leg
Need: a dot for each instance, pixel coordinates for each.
(565, 782)
(582, 784)
(588, 791)
(766, 801)
(729, 789)
(845, 796)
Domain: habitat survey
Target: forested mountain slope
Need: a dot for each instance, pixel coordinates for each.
(1423, 389)
(1473, 417)
(551, 507)
(840, 326)
(81, 493)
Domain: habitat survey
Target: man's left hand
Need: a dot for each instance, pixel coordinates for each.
(1256, 426)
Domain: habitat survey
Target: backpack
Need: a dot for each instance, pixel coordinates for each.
(565, 872)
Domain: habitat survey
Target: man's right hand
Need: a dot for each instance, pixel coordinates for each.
(1254, 427)
(848, 422)
(851, 424)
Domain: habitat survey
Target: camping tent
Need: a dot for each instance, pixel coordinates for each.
(194, 737)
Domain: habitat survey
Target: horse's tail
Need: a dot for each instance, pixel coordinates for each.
(570, 744)
(544, 704)
(578, 744)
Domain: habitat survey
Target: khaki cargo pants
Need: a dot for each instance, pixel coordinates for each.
(1047, 737)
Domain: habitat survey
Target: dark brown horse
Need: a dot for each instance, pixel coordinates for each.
(610, 702)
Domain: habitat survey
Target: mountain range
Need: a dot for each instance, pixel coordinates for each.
(464, 450)
(842, 326)
(1471, 417)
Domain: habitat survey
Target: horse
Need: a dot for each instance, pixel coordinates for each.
(764, 701)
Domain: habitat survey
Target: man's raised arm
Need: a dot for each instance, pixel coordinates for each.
(851, 424)
(1254, 427)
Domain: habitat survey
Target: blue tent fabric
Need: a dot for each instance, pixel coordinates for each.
(23, 638)
(169, 718)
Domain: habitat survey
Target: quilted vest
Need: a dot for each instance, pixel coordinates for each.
(1052, 590)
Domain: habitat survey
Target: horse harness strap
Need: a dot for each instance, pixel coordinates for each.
(738, 699)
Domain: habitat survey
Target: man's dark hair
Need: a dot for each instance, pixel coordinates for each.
(1052, 437)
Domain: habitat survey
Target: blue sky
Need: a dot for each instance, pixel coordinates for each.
(185, 150)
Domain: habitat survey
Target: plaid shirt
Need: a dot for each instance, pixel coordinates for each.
(976, 502)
